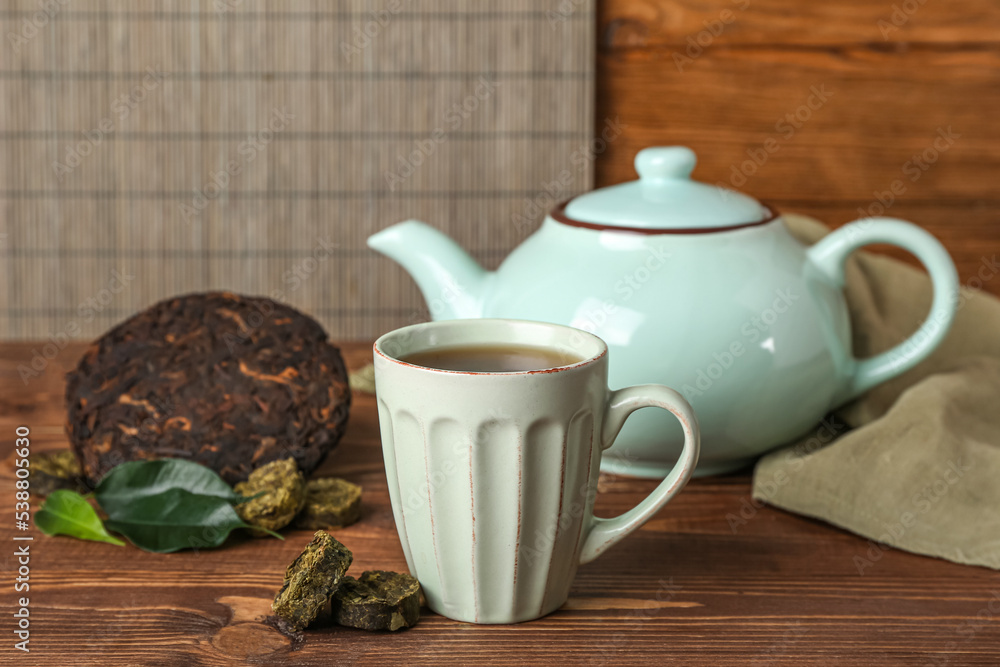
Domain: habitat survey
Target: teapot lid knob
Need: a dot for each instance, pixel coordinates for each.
(665, 162)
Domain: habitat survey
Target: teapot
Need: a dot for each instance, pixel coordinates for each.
(694, 286)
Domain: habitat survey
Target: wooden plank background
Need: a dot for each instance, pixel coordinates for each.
(894, 81)
(200, 78)
(894, 78)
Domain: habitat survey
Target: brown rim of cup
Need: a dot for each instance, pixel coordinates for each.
(394, 358)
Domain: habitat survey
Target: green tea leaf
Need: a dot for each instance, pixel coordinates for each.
(175, 519)
(68, 513)
(169, 504)
(134, 481)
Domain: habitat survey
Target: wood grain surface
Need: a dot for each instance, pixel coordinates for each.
(721, 76)
(686, 589)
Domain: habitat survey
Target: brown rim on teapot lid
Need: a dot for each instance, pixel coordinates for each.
(664, 200)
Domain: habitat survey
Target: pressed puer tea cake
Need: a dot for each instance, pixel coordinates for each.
(377, 600)
(229, 381)
(311, 579)
(276, 492)
(330, 503)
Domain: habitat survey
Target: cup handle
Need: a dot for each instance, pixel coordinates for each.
(829, 255)
(602, 533)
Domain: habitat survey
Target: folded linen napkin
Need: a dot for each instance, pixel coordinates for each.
(915, 463)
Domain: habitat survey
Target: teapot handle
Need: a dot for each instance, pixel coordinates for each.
(829, 256)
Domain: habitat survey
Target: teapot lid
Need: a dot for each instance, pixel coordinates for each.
(665, 198)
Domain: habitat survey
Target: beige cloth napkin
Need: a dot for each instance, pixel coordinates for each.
(915, 463)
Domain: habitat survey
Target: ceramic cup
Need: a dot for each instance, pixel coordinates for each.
(493, 476)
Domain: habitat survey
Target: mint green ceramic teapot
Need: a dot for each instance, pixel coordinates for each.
(693, 286)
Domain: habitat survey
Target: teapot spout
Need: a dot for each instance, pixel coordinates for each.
(452, 282)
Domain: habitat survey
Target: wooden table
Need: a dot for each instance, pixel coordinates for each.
(686, 589)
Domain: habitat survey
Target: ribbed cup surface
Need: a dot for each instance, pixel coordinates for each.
(490, 511)
(488, 472)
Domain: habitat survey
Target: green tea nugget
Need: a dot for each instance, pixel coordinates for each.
(378, 600)
(310, 580)
(53, 471)
(330, 503)
(282, 492)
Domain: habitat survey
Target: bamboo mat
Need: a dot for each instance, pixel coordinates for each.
(250, 146)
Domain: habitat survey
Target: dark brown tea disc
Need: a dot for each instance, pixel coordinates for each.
(229, 381)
